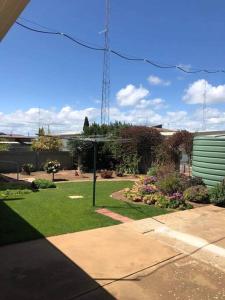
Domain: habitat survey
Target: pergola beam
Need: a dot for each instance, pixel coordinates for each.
(9, 12)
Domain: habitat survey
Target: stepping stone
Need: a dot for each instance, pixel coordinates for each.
(76, 197)
(114, 216)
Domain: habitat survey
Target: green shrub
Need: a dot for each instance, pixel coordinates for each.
(188, 181)
(13, 194)
(174, 204)
(196, 181)
(152, 171)
(185, 206)
(43, 184)
(17, 185)
(161, 200)
(198, 194)
(153, 198)
(217, 194)
(170, 184)
(177, 201)
(163, 171)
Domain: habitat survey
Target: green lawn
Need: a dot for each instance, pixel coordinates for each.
(51, 212)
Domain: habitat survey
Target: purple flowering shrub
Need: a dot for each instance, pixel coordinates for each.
(148, 189)
(150, 180)
(176, 196)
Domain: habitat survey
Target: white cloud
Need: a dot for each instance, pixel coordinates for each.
(66, 119)
(201, 89)
(155, 80)
(214, 117)
(135, 97)
(137, 116)
(131, 95)
(155, 104)
(133, 107)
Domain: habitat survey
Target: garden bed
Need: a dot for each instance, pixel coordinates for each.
(119, 195)
(165, 187)
(65, 175)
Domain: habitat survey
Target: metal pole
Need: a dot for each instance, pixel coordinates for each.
(18, 170)
(94, 171)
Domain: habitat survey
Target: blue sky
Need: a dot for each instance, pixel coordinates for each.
(64, 80)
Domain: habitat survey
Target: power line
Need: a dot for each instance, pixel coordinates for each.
(120, 54)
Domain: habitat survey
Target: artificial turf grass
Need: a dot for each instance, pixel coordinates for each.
(51, 212)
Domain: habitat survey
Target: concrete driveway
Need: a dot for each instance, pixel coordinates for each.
(175, 256)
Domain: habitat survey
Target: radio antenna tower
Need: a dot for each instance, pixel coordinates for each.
(106, 69)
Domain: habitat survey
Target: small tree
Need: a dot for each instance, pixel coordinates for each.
(47, 143)
(52, 167)
(81, 151)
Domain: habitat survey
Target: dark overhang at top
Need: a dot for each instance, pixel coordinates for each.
(9, 12)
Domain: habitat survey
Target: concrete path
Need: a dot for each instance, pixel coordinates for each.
(166, 257)
(199, 232)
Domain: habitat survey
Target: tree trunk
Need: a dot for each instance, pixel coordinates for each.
(79, 162)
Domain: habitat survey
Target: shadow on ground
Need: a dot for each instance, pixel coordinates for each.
(37, 269)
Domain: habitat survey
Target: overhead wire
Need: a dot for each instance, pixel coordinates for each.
(60, 33)
(115, 52)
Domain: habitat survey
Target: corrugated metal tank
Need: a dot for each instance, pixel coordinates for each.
(209, 158)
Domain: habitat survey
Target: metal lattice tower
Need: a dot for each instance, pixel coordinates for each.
(106, 70)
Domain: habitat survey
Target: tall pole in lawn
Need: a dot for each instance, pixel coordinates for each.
(94, 170)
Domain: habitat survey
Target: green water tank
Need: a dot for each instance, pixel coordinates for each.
(209, 158)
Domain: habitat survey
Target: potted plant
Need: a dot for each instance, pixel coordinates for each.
(27, 168)
(106, 173)
(52, 167)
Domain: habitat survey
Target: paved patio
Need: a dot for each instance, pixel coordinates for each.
(175, 256)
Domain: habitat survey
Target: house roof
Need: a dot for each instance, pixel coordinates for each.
(17, 138)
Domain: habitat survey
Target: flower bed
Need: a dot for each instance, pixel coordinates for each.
(148, 191)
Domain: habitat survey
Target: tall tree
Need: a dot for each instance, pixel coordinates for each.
(86, 124)
(41, 131)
